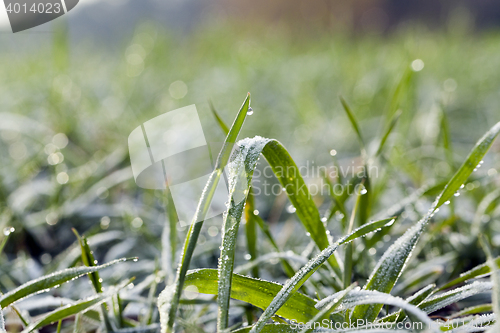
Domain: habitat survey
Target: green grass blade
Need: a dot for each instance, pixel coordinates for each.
(470, 274)
(72, 309)
(169, 311)
(440, 301)
(219, 120)
(391, 265)
(360, 297)
(388, 131)
(470, 164)
(482, 308)
(50, 281)
(399, 92)
(415, 299)
(293, 284)
(354, 124)
(251, 230)
(328, 308)
(257, 292)
(240, 177)
(291, 180)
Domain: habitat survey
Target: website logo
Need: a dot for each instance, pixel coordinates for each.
(27, 14)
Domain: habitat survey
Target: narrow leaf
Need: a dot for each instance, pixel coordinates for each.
(49, 281)
(440, 301)
(293, 284)
(391, 265)
(168, 318)
(470, 274)
(72, 309)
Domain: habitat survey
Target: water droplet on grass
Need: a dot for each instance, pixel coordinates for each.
(291, 209)
(7, 231)
(250, 111)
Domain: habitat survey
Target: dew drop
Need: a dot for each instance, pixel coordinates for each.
(457, 194)
(248, 256)
(308, 234)
(447, 202)
(463, 185)
(291, 209)
(256, 212)
(250, 111)
(363, 191)
(323, 219)
(7, 231)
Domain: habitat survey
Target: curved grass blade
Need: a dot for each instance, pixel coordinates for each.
(49, 281)
(470, 274)
(240, 176)
(292, 285)
(440, 301)
(354, 124)
(358, 297)
(328, 308)
(482, 308)
(476, 156)
(72, 309)
(392, 263)
(219, 120)
(388, 131)
(169, 311)
(257, 292)
(415, 299)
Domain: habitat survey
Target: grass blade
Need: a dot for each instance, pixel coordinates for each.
(328, 308)
(482, 308)
(392, 263)
(306, 271)
(169, 310)
(356, 298)
(257, 292)
(240, 176)
(440, 301)
(388, 131)
(72, 309)
(470, 164)
(50, 281)
(219, 120)
(470, 274)
(354, 124)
